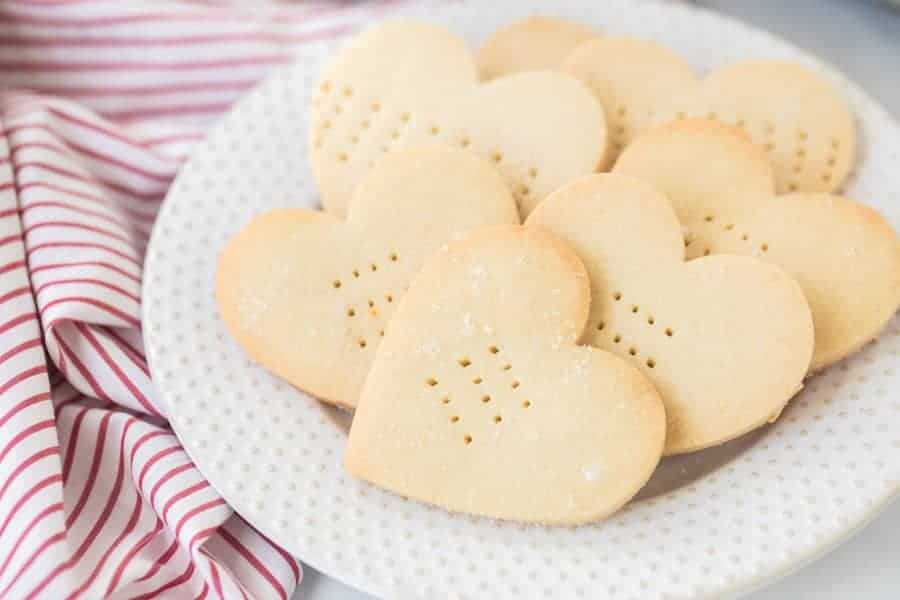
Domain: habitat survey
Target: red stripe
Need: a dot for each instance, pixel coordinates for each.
(28, 431)
(137, 446)
(108, 217)
(112, 186)
(90, 245)
(160, 454)
(87, 263)
(89, 153)
(217, 581)
(32, 491)
(174, 472)
(99, 392)
(40, 454)
(53, 539)
(175, 138)
(11, 266)
(146, 218)
(290, 560)
(152, 89)
(9, 212)
(13, 294)
(133, 321)
(113, 20)
(69, 457)
(52, 509)
(161, 560)
(119, 373)
(104, 517)
(10, 238)
(203, 592)
(16, 321)
(136, 65)
(178, 110)
(196, 511)
(22, 376)
(92, 473)
(82, 226)
(139, 360)
(265, 37)
(92, 281)
(158, 592)
(126, 560)
(22, 406)
(20, 348)
(200, 485)
(254, 561)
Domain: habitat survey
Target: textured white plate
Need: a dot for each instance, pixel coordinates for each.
(709, 525)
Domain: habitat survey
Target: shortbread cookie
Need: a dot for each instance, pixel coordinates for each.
(403, 83)
(480, 401)
(843, 254)
(530, 44)
(800, 120)
(727, 340)
(630, 77)
(308, 296)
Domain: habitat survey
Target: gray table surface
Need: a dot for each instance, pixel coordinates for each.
(862, 38)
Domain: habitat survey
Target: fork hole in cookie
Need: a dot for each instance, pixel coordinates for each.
(464, 362)
(355, 273)
(342, 156)
(617, 296)
(651, 363)
(507, 367)
(486, 398)
(632, 351)
(371, 304)
(745, 237)
(325, 87)
(454, 419)
(393, 256)
(477, 380)
(381, 333)
(351, 312)
(336, 283)
(389, 298)
(465, 142)
(496, 157)
(405, 117)
(431, 382)
(514, 384)
(669, 332)
(434, 130)
(709, 218)
(617, 338)
(467, 439)
(764, 247)
(651, 320)
(498, 419)
(445, 400)
(493, 349)
(707, 252)
(375, 106)
(600, 326)
(533, 173)
(634, 308)
(526, 404)
(362, 343)
(373, 267)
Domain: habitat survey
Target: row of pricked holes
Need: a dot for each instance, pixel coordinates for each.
(651, 320)
(337, 283)
(764, 247)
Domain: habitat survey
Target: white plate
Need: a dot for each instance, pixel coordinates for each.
(712, 524)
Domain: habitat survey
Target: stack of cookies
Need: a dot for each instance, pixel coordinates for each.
(542, 267)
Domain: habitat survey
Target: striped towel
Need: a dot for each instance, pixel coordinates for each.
(100, 102)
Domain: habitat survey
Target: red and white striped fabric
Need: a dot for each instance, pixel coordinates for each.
(100, 102)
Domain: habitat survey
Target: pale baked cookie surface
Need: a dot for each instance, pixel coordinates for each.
(727, 340)
(843, 254)
(309, 296)
(631, 78)
(481, 401)
(405, 82)
(799, 118)
(530, 44)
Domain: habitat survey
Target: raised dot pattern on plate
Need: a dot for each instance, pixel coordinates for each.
(775, 499)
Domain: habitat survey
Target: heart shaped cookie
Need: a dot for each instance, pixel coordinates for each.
(725, 339)
(794, 114)
(480, 401)
(530, 44)
(404, 83)
(629, 76)
(843, 254)
(308, 296)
